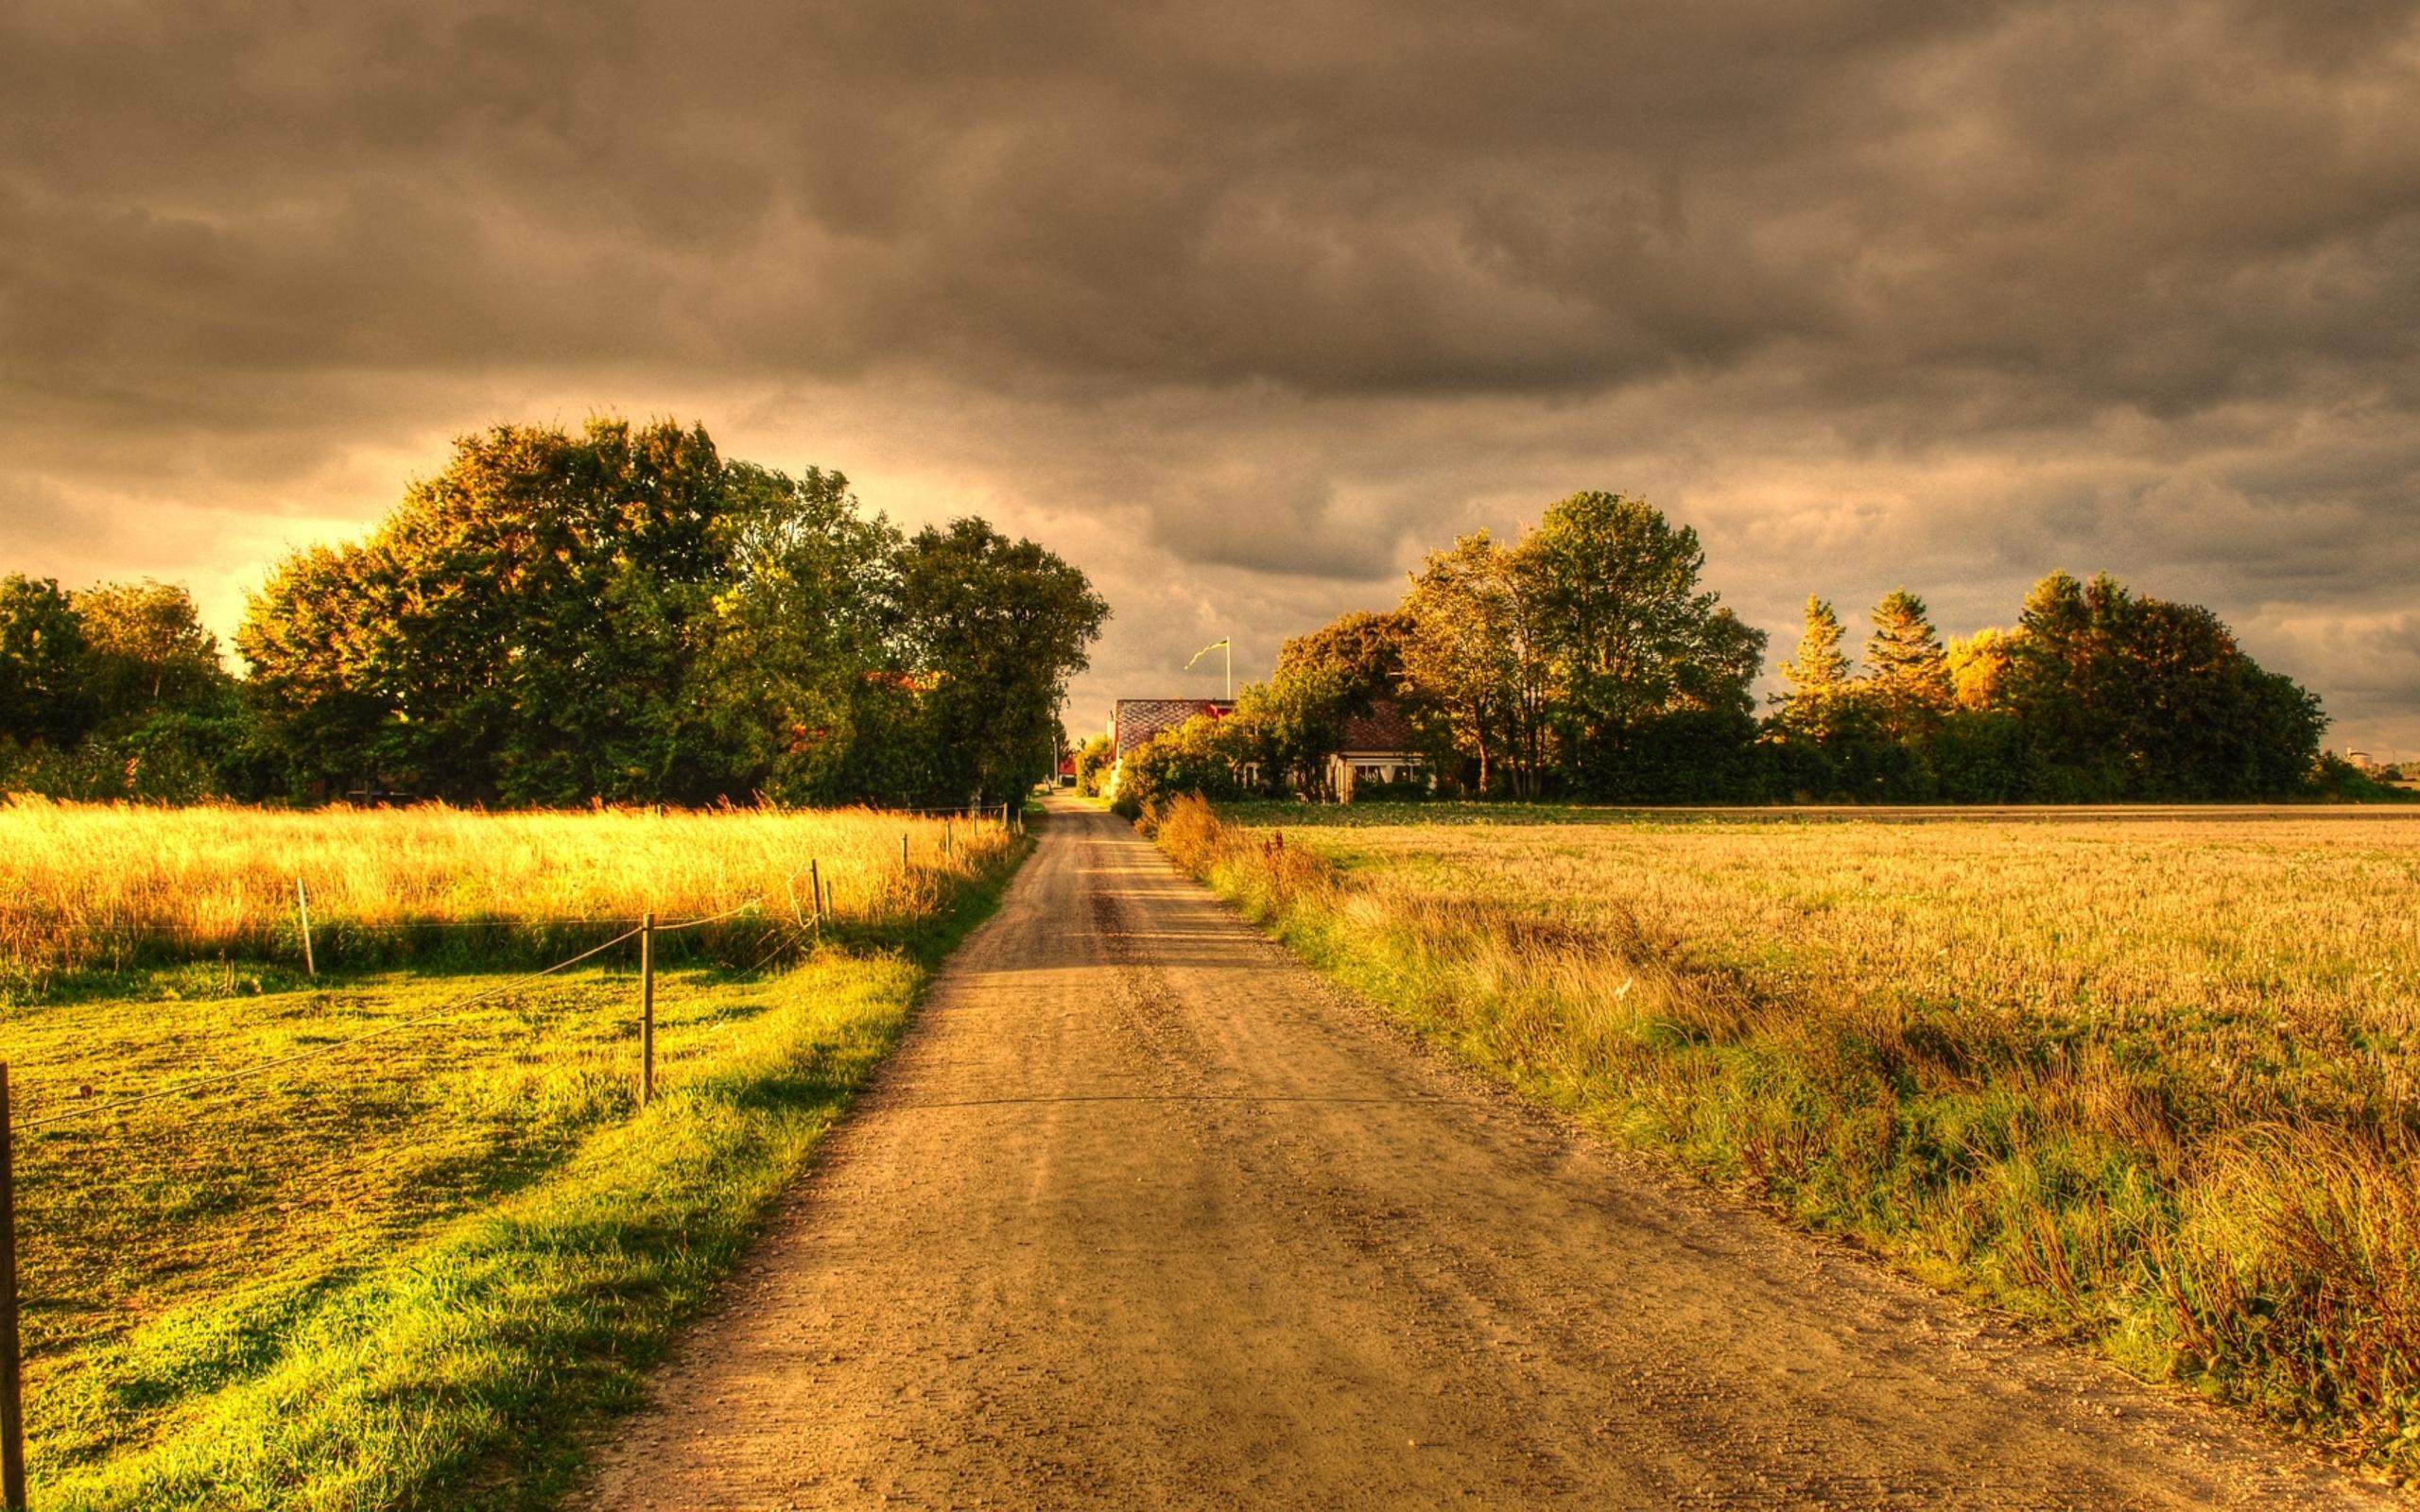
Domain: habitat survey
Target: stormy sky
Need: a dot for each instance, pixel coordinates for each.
(1244, 307)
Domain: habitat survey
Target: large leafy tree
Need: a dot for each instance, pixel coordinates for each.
(624, 615)
(783, 665)
(1474, 655)
(1654, 675)
(997, 625)
(148, 650)
(1979, 667)
(2127, 697)
(1367, 649)
(45, 692)
(520, 629)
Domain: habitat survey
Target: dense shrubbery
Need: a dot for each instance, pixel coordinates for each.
(620, 615)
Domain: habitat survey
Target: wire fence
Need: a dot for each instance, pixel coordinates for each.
(303, 935)
(809, 914)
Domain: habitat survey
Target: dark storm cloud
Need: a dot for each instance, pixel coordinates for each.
(1265, 297)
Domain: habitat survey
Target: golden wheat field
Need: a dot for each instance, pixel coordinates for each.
(2149, 1081)
(87, 885)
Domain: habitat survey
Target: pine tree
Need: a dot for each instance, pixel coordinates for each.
(1910, 671)
(1821, 680)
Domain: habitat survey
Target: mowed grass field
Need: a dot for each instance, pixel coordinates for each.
(2148, 1082)
(408, 1271)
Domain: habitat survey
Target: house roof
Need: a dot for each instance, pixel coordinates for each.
(1383, 728)
(1136, 720)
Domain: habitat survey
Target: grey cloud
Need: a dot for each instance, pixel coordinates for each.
(1252, 304)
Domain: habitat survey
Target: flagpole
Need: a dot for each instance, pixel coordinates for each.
(1228, 681)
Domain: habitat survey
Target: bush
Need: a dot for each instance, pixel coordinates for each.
(2337, 781)
(1203, 756)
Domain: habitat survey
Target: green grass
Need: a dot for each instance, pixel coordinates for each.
(408, 1274)
(2145, 1084)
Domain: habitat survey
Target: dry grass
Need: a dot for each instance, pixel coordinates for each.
(2149, 1082)
(91, 885)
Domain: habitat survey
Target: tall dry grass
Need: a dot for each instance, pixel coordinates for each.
(85, 886)
(2150, 1084)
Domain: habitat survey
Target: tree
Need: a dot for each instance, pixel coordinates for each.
(146, 650)
(1651, 675)
(779, 675)
(1092, 764)
(1295, 723)
(1979, 668)
(1908, 672)
(43, 694)
(1000, 626)
(1822, 678)
(2127, 696)
(1368, 649)
(1205, 756)
(1474, 657)
(624, 615)
(521, 628)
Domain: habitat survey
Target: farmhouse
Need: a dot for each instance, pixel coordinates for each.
(1380, 745)
(1132, 721)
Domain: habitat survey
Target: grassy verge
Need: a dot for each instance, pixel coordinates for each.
(406, 1276)
(2146, 1086)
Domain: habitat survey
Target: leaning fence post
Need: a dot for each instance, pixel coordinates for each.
(814, 885)
(646, 1008)
(303, 902)
(12, 1400)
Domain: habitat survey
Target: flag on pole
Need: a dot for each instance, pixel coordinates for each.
(1205, 651)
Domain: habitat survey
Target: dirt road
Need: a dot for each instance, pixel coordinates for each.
(1144, 1215)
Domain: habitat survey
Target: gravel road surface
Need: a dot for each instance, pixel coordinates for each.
(1145, 1214)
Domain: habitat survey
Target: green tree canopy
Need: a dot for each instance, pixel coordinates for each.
(2127, 696)
(1368, 649)
(624, 615)
(1649, 666)
(1473, 654)
(1296, 722)
(148, 650)
(1000, 626)
(45, 692)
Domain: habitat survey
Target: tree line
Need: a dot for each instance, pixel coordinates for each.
(617, 615)
(1588, 661)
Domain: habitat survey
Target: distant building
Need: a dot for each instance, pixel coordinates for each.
(1381, 745)
(1132, 721)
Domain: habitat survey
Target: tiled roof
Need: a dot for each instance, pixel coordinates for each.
(1384, 728)
(1137, 720)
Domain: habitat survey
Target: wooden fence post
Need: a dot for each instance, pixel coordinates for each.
(903, 849)
(945, 836)
(814, 885)
(12, 1400)
(303, 902)
(646, 1008)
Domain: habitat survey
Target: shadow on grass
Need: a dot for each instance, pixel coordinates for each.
(461, 1371)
